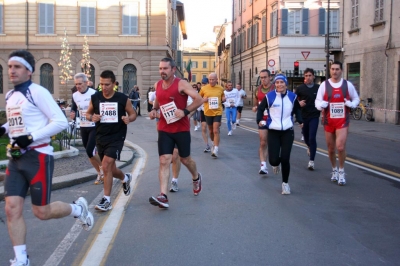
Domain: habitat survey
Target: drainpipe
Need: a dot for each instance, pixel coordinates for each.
(388, 44)
(231, 46)
(327, 43)
(266, 37)
(252, 46)
(27, 26)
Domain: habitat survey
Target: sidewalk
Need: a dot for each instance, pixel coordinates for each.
(361, 127)
(59, 182)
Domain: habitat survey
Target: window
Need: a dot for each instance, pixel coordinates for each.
(46, 18)
(129, 78)
(378, 10)
(255, 34)
(354, 14)
(249, 38)
(130, 18)
(204, 76)
(194, 78)
(295, 21)
(353, 75)
(194, 64)
(46, 77)
(333, 21)
(1, 79)
(1, 17)
(88, 18)
(264, 29)
(204, 64)
(274, 23)
(214, 64)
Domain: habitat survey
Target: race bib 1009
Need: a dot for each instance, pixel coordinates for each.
(336, 110)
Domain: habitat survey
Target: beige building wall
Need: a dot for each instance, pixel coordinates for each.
(374, 44)
(109, 48)
(205, 60)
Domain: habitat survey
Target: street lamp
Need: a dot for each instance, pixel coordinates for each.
(327, 44)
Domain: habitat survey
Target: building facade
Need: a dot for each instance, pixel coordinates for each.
(372, 54)
(222, 52)
(202, 61)
(127, 37)
(274, 34)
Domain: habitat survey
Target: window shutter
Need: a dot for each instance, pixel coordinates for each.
(264, 28)
(284, 30)
(1, 22)
(271, 34)
(304, 27)
(42, 18)
(321, 24)
(84, 19)
(92, 20)
(50, 18)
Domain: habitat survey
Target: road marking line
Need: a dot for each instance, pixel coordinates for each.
(357, 163)
(62, 249)
(99, 250)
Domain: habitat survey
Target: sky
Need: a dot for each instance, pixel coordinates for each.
(201, 16)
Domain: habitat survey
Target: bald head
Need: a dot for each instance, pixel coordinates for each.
(212, 79)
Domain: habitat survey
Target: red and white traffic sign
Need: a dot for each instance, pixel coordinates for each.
(271, 62)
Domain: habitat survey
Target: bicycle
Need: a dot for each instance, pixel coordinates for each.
(365, 109)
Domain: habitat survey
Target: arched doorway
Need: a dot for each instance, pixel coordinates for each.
(129, 78)
(47, 77)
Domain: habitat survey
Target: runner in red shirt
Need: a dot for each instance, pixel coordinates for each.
(265, 87)
(335, 98)
(174, 127)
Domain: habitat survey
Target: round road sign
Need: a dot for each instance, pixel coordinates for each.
(271, 62)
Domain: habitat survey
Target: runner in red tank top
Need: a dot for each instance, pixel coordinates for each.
(174, 127)
(265, 87)
(334, 99)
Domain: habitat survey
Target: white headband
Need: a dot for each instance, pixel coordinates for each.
(22, 61)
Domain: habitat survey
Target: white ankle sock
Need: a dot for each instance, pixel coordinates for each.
(76, 210)
(264, 164)
(20, 253)
(174, 180)
(107, 198)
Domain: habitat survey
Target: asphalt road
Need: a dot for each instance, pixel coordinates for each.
(240, 217)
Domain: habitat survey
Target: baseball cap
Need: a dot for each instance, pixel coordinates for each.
(204, 80)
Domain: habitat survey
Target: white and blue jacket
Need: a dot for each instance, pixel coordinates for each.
(281, 108)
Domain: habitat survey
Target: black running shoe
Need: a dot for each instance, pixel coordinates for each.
(127, 185)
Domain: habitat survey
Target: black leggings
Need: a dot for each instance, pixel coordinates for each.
(88, 135)
(279, 147)
(310, 127)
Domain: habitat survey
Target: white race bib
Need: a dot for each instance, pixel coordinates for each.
(83, 122)
(109, 112)
(336, 110)
(168, 111)
(16, 121)
(213, 102)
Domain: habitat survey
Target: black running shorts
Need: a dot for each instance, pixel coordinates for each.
(212, 119)
(110, 149)
(168, 141)
(239, 109)
(33, 170)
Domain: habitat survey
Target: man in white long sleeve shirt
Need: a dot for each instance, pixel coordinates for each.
(232, 99)
(334, 99)
(32, 118)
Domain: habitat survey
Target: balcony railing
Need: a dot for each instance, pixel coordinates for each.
(335, 41)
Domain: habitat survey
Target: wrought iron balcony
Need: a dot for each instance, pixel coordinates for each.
(335, 41)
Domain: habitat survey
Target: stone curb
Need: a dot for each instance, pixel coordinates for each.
(60, 182)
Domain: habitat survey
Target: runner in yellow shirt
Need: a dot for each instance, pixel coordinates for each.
(213, 96)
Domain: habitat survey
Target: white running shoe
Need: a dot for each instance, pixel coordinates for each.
(302, 137)
(310, 165)
(214, 153)
(230, 133)
(276, 169)
(99, 179)
(285, 189)
(263, 170)
(14, 262)
(342, 179)
(86, 217)
(233, 126)
(334, 177)
(195, 128)
(174, 186)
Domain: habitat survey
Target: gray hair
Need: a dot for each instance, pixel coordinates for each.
(81, 76)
